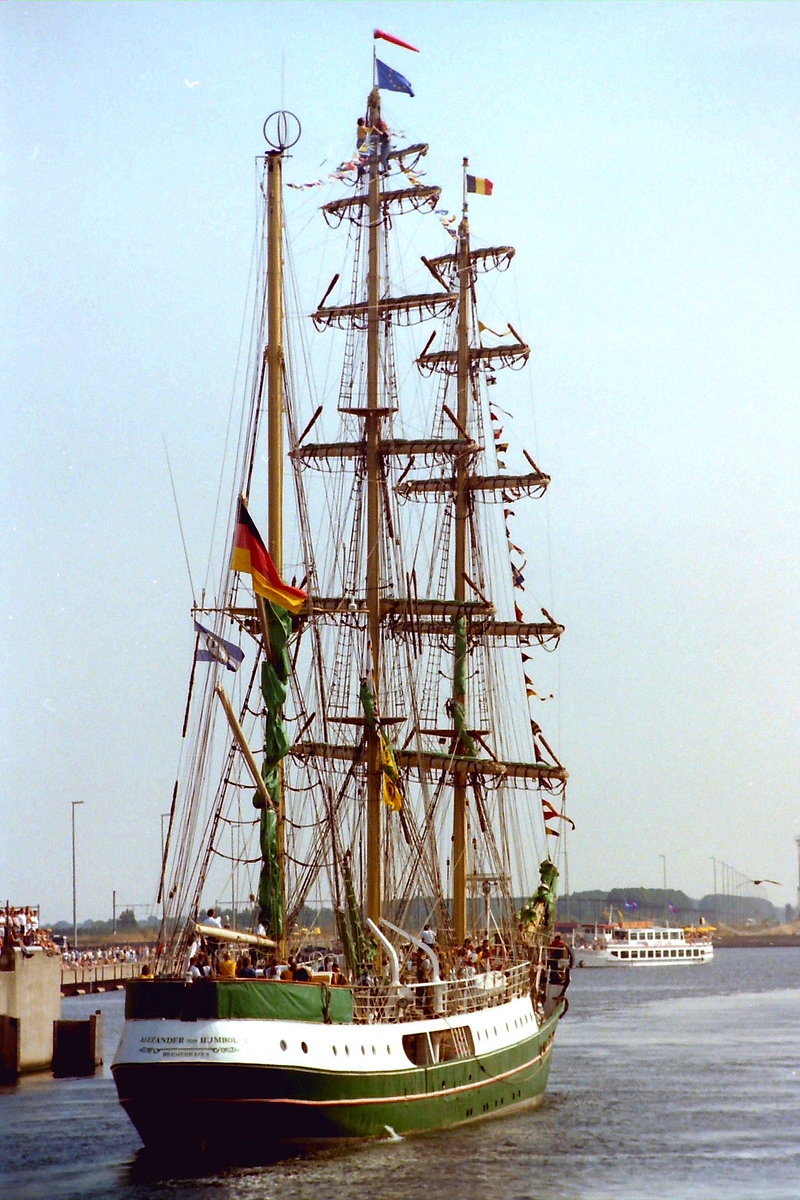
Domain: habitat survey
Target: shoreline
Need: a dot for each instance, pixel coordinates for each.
(760, 940)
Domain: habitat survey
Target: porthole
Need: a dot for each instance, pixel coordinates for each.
(335, 1051)
(347, 1049)
(283, 1044)
(304, 1047)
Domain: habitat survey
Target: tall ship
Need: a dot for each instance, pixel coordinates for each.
(358, 741)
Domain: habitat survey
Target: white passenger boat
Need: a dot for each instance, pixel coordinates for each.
(643, 946)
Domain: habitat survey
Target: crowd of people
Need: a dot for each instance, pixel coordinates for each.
(215, 957)
(472, 957)
(20, 927)
(106, 955)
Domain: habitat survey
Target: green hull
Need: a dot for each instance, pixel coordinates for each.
(218, 1105)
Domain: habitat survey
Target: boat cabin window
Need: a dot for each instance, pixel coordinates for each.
(419, 1050)
(442, 1045)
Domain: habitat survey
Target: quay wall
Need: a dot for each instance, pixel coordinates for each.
(30, 992)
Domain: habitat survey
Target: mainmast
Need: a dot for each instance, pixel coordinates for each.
(372, 432)
(462, 513)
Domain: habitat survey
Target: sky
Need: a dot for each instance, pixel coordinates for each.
(645, 163)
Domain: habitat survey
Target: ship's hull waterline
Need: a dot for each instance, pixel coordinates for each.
(216, 1092)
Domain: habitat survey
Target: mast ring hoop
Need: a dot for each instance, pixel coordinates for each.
(282, 129)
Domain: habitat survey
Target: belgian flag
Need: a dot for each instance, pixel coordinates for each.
(482, 187)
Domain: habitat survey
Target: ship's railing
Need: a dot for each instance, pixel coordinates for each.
(446, 997)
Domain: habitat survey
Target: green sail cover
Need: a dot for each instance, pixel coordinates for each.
(358, 947)
(538, 915)
(457, 712)
(246, 999)
(275, 673)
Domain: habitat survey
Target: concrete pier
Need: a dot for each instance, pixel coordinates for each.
(78, 1046)
(30, 1001)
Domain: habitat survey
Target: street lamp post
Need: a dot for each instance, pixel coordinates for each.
(75, 803)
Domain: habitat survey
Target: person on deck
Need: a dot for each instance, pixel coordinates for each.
(559, 962)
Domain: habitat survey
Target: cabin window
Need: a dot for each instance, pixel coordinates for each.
(455, 1042)
(418, 1049)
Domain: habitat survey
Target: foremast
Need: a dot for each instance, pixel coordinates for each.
(274, 836)
(274, 623)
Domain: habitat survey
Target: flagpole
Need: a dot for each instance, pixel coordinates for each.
(465, 164)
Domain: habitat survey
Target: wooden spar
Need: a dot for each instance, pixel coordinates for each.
(462, 515)
(241, 741)
(234, 935)
(275, 422)
(372, 433)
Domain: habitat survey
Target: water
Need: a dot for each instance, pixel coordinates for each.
(676, 1083)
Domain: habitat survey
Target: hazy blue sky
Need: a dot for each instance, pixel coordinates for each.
(645, 162)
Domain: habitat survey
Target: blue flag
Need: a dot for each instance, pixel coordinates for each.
(212, 648)
(391, 80)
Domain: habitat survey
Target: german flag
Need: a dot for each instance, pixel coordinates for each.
(250, 556)
(482, 187)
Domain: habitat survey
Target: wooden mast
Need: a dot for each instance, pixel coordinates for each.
(275, 439)
(372, 428)
(462, 514)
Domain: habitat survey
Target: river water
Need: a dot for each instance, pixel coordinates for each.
(671, 1083)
